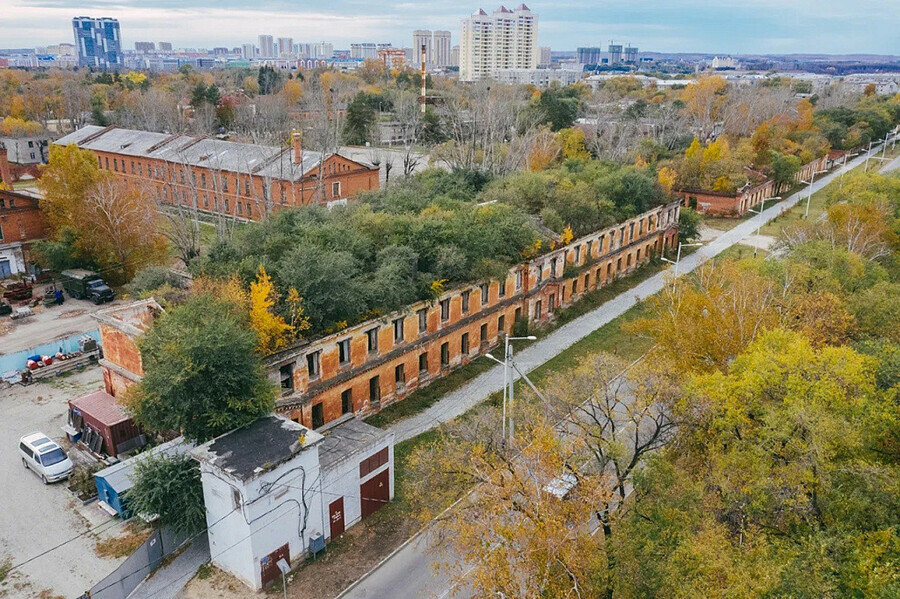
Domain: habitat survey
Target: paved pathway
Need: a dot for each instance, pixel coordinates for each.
(409, 571)
(458, 402)
(891, 165)
(167, 582)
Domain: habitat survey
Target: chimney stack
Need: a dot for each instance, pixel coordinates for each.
(5, 171)
(297, 142)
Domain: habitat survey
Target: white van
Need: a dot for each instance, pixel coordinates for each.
(45, 457)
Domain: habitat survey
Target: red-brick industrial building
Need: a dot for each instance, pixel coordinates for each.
(21, 224)
(362, 368)
(247, 181)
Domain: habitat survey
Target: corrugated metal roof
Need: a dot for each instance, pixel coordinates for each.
(118, 476)
(215, 154)
(102, 406)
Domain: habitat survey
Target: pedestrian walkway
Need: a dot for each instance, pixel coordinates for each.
(168, 581)
(456, 403)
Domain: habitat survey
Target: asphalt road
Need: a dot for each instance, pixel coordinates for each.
(49, 324)
(410, 571)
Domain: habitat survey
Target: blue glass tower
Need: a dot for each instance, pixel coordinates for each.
(99, 42)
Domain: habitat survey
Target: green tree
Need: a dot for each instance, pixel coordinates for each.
(359, 121)
(689, 223)
(784, 168)
(269, 80)
(202, 374)
(169, 487)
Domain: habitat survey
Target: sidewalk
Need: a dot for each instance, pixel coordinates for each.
(168, 581)
(457, 402)
(411, 570)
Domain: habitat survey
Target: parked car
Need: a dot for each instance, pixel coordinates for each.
(85, 284)
(45, 457)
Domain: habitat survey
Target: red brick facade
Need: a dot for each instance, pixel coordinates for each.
(250, 187)
(735, 205)
(377, 362)
(386, 358)
(21, 218)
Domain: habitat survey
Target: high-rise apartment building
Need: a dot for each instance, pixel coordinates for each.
(285, 46)
(590, 55)
(248, 51)
(364, 50)
(546, 58)
(631, 54)
(144, 47)
(615, 53)
(266, 46)
(99, 42)
(506, 39)
(422, 37)
(440, 49)
(454, 56)
(165, 46)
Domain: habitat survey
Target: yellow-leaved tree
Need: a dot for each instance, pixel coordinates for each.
(667, 177)
(272, 330)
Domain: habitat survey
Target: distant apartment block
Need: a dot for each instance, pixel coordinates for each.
(266, 46)
(144, 47)
(248, 51)
(589, 55)
(540, 78)
(546, 56)
(285, 47)
(440, 49)
(165, 46)
(99, 42)
(364, 50)
(506, 39)
(422, 37)
(614, 54)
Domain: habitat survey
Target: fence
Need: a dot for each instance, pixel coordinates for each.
(17, 360)
(130, 573)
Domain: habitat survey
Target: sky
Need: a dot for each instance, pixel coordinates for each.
(712, 26)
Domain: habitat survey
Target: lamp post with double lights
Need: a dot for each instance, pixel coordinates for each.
(508, 381)
(677, 260)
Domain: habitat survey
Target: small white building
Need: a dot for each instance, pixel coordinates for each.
(273, 489)
(12, 259)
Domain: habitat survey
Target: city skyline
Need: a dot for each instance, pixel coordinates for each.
(752, 26)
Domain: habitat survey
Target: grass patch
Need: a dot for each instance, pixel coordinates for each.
(204, 571)
(739, 251)
(721, 223)
(5, 568)
(124, 545)
(423, 398)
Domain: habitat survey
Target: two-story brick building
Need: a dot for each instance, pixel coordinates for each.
(21, 224)
(246, 181)
(379, 361)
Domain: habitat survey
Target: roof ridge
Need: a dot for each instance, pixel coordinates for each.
(160, 144)
(95, 135)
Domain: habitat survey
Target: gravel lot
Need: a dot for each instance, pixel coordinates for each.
(35, 517)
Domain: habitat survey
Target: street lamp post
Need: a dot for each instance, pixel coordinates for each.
(810, 192)
(678, 260)
(868, 153)
(762, 206)
(508, 382)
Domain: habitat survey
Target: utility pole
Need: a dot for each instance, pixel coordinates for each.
(509, 385)
(678, 260)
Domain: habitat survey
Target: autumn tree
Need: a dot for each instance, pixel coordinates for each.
(107, 223)
(202, 372)
(272, 330)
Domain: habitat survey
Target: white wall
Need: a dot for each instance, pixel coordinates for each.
(342, 480)
(13, 254)
(270, 515)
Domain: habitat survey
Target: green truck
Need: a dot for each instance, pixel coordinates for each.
(84, 284)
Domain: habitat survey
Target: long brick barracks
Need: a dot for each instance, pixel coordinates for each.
(245, 181)
(363, 368)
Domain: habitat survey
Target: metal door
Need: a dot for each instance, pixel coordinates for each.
(336, 516)
(268, 565)
(375, 492)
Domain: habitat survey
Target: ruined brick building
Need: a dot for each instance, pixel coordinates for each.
(247, 181)
(379, 361)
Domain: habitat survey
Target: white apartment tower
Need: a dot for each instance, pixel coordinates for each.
(440, 49)
(506, 39)
(422, 37)
(266, 46)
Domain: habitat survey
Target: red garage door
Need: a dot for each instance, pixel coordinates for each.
(336, 515)
(375, 492)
